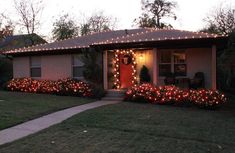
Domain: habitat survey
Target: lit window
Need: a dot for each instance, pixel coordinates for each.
(78, 67)
(35, 66)
(172, 62)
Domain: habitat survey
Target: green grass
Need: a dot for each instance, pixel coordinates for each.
(137, 128)
(19, 107)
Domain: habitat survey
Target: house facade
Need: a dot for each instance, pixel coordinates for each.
(8, 41)
(122, 54)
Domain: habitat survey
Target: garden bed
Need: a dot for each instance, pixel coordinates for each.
(204, 98)
(64, 87)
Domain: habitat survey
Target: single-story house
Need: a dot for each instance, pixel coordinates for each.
(122, 53)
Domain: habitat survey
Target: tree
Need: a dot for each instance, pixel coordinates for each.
(98, 23)
(225, 62)
(211, 28)
(6, 26)
(220, 21)
(85, 29)
(154, 12)
(5, 70)
(64, 28)
(92, 71)
(29, 14)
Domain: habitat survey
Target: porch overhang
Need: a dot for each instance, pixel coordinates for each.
(220, 42)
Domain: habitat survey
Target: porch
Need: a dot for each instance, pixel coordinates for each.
(121, 68)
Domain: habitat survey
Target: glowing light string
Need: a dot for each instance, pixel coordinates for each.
(116, 62)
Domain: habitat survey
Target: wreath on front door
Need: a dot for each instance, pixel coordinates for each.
(129, 58)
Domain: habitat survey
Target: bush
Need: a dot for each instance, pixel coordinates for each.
(67, 87)
(97, 91)
(144, 75)
(207, 98)
(173, 95)
(5, 70)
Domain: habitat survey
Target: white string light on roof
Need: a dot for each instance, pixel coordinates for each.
(32, 48)
(116, 40)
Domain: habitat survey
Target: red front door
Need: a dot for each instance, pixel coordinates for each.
(126, 71)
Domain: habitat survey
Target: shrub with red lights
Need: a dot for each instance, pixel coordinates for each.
(207, 98)
(60, 87)
(174, 95)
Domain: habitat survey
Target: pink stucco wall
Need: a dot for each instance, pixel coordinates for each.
(199, 60)
(53, 67)
(56, 67)
(21, 67)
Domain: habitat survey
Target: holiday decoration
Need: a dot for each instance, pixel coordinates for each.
(129, 38)
(116, 63)
(173, 95)
(61, 87)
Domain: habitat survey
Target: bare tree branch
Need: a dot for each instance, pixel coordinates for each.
(221, 21)
(97, 23)
(29, 14)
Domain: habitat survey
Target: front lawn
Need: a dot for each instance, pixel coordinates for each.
(137, 128)
(17, 107)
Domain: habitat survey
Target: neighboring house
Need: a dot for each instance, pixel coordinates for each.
(10, 42)
(122, 54)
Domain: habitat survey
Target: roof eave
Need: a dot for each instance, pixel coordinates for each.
(45, 52)
(182, 43)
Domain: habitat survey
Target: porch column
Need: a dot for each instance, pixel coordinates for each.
(213, 67)
(155, 72)
(105, 70)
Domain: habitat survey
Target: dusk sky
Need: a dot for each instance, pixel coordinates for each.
(190, 13)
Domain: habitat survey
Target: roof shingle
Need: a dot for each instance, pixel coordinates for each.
(113, 37)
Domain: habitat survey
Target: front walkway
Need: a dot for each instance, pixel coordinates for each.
(33, 126)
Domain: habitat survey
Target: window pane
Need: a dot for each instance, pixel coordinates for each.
(35, 72)
(35, 61)
(77, 60)
(179, 56)
(78, 71)
(164, 69)
(165, 56)
(180, 69)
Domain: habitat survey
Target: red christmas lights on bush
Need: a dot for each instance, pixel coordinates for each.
(61, 87)
(174, 95)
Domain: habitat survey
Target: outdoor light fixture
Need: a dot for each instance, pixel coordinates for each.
(141, 57)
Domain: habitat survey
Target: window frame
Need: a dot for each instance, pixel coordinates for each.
(76, 66)
(173, 62)
(35, 67)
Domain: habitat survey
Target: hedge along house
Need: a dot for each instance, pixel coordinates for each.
(122, 53)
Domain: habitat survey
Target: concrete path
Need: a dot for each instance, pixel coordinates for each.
(33, 126)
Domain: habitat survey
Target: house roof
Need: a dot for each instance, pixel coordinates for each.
(114, 37)
(13, 42)
(159, 35)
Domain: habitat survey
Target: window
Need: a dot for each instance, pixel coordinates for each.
(35, 66)
(172, 62)
(179, 63)
(77, 66)
(165, 63)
